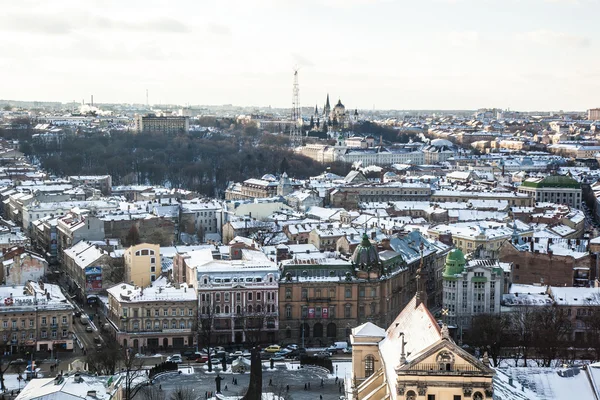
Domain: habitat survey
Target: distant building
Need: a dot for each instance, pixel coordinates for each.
(166, 125)
(554, 189)
(101, 182)
(142, 264)
(88, 268)
(594, 114)
(20, 266)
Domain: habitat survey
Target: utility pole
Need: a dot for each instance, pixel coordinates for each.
(296, 127)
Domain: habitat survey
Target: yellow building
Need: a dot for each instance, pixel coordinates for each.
(142, 264)
(414, 359)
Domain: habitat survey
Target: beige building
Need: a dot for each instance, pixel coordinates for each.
(142, 264)
(35, 317)
(414, 359)
(157, 318)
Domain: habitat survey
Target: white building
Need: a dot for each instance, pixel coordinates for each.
(472, 288)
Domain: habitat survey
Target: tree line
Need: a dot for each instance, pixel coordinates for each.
(542, 333)
(204, 165)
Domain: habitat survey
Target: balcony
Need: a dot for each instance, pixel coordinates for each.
(434, 369)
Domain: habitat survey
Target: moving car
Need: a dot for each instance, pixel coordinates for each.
(175, 358)
(323, 354)
(274, 348)
(89, 329)
(337, 347)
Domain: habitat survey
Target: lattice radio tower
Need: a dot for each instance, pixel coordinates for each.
(296, 128)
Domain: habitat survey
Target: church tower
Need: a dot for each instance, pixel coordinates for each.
(285, 186)
(326, 109)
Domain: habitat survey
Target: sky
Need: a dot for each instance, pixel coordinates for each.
(383, 54)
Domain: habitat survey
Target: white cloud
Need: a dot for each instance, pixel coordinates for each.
(555, 39)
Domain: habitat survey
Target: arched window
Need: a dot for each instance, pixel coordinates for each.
(218, 310)
(331, 330)
(477, 396)
(318, 330)
(226, 309)
(411, 395)
(250, 309)
(258, 308)
(369, 365)
(238, 309)
(288, 333)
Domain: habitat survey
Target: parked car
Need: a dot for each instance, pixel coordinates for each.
(322, 354)
(282, 353)
(84, 320)
(337, 347)
(274, 348)
(175, 358)
(347, 350)
(292, 346)
(277, 358)
(89, 329)
(202, 359)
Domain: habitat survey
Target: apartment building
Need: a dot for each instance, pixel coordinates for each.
(159, 317)
(142, 264)
(239, 296)
(554, 189)
(168, 125)
(35, 317)
(89, 269)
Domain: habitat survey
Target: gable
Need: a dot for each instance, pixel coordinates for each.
(446, 357)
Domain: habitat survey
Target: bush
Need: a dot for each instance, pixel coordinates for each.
(162, 367)
(319, 362)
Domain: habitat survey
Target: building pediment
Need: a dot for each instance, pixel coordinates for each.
(444, 358)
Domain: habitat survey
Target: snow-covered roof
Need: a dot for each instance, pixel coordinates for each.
(160, 290)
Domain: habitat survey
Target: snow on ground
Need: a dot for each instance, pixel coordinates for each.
(265, 396)
(11, 381)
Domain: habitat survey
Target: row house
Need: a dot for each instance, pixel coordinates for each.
(35, 317)
(239, 297)
(159, 317)
(89, 269)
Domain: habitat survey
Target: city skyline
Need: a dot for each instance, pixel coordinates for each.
(437, 54)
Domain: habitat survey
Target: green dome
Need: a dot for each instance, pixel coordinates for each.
(455, 263)
(365, 253)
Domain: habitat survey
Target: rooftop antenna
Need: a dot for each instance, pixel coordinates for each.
(147, 103)
(296, 128)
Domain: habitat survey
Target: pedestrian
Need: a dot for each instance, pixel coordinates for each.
(322, 382)
(336, 379)
(340, 389)
(308, 385)
(225, 386)
(206, 395)
(287, 388)
(160, 387)
(232, 379)
(270, 382)
(320, 397)
(305, 386)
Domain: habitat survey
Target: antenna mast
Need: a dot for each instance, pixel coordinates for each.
(296, 128)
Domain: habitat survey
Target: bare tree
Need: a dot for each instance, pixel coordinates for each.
(522, 327)
(3, 368)
(206, 324)
(152, 393)
(489, 331)
(135, 374)
(183, 393)
(105, 362)
(551, 330)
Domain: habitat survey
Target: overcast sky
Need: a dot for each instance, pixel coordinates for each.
(400, 54)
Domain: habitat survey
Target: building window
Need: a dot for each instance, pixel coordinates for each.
(361, 292)
(288, 294)
(369, 365)
(152, 261)
(249, 295)
(348, 311)
(304, 294)
(258, 296)
(238, 297)
(348, 293)
(431, 397)
(217, 297)
(153, 269)
(288, 312)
